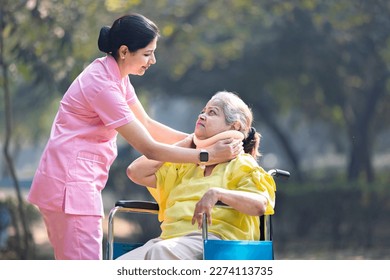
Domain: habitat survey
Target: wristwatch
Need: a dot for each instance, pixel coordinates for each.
(204, 156)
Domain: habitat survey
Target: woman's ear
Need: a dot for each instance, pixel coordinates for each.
(123, 51)
(236, 126)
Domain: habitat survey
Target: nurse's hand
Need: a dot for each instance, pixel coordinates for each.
(224, 150)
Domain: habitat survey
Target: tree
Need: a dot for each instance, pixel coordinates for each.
(328, 60)
(8, 133)
(343, 49)
(38, 56)
(200, 44)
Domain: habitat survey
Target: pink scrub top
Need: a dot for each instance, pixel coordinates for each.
(75, 164)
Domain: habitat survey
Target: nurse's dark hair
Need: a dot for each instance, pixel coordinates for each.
(133, 30)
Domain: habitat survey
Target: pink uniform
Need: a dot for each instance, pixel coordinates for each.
(75, 163)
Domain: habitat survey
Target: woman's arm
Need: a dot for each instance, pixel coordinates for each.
(142, 170)
(159, 131)
(246, 202)
(138, 137)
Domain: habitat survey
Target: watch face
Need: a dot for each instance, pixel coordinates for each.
(204, 156)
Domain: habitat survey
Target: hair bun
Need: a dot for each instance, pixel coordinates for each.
(251, 136)
(104, 39)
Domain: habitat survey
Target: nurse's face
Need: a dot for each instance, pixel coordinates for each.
(136, 63)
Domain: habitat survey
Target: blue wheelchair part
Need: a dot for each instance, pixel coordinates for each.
(237, 250)
(120, 248)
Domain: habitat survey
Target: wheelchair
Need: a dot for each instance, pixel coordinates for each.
(261, 249)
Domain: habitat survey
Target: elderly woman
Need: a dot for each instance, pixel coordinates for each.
(185, 191)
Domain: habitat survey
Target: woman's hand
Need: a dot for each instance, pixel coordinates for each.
(245, 202)
(204, 206)
(187, 142)
(224, 150)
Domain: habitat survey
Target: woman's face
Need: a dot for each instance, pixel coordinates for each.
(211, 121)
(138, 62)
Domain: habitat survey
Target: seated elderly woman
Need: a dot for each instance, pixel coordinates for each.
(185, 191)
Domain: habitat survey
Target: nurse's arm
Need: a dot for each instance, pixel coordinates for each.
(138, 137)
(160, 132)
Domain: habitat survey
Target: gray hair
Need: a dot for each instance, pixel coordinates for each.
(236, 110)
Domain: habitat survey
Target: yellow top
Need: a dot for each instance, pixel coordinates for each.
(180, 187)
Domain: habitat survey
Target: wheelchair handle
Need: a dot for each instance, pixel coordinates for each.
(205, 229)
(279, 173)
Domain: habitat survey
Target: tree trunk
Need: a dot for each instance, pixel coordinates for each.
(25, 251)
(268, 118)
(360, 131)
(361, 155)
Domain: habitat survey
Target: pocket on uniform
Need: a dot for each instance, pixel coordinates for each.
(82, 199)
(87, 167)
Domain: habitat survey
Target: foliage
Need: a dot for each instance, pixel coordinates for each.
(46, 44)
(323, 61)
(14, 243)
(333, 219)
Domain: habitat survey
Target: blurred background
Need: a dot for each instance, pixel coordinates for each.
(316, 74)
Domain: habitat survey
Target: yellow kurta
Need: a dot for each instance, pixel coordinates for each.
(181, 186)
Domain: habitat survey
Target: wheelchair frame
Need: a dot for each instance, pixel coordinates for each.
(150, 207)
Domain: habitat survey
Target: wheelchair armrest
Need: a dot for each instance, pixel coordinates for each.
(279, 173)
(138, 204)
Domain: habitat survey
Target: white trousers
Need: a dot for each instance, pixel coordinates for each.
(188, 247)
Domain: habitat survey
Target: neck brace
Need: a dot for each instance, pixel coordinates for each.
(235, 134)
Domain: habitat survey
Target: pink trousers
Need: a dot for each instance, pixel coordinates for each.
(74, 237)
